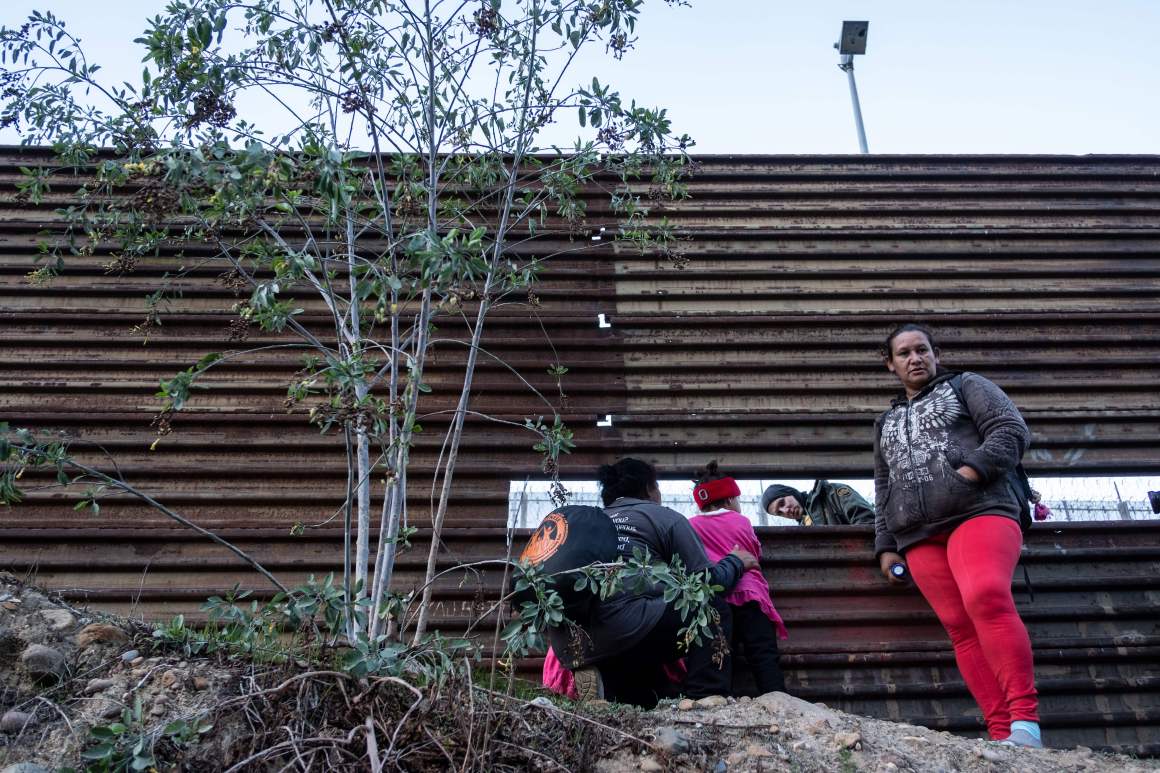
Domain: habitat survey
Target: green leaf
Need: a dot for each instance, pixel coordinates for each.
(107, 731)
(207, 360)
(98, 752)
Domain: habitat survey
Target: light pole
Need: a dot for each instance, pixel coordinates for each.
(852, 42)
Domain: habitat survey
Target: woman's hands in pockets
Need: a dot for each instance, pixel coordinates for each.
(970, 473)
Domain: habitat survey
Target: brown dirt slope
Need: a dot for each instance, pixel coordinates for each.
(65, 671)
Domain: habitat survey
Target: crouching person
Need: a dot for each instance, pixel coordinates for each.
(620, 652)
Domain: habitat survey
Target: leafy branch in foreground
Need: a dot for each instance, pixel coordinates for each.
(689, 592)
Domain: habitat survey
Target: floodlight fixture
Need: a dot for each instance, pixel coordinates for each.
(853, 40)
(852, 43)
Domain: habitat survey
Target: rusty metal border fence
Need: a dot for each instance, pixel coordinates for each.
(754, 342)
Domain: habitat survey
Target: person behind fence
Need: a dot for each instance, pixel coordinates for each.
(827, 504)
(944, 454)
(750, 624)
(624, 645)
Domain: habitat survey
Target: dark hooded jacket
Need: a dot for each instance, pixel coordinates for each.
(920, 443)
(618, 623)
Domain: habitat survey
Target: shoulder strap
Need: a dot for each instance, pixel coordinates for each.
(955, 382)
(1019, 475)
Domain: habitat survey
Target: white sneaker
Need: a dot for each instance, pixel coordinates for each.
(1021, 737)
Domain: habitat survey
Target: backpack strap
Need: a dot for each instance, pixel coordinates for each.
(1023, 487)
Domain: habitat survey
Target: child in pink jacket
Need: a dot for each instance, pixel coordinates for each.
(754, 625)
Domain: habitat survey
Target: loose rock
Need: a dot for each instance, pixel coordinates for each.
(817, 727)
(173, 678)
(201, 683)
(100, 633)
(98, 685)
(34, 600)
(26, 767)
(130, 655)
(847, 740)
(651, 764)
(671, 740)
(686, 704)
(712, 702)
(43, 663)
(58, 619)
(990, 755)
(779, 703)
(16, 721)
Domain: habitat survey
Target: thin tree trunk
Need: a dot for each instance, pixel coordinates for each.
(449, 469)
(473, 352)
(363, 497)
(362, 439)
(395, 497)
(347, 555)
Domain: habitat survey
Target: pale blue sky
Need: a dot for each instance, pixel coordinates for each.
(760, 76)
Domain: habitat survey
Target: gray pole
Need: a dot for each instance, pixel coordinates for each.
(847, 64)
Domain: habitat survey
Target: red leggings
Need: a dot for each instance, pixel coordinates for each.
(965, 576)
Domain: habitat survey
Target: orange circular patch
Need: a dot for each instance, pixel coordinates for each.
(546, 540)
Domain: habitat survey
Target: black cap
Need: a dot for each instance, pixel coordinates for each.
(777, 491)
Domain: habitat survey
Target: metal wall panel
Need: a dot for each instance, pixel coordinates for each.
(755, 343)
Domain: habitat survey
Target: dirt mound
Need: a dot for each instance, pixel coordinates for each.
(81, 690)
(777, 732)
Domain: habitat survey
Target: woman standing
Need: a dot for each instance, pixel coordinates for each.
(943, 453)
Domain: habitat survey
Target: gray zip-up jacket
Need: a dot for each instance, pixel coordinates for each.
(920, 443)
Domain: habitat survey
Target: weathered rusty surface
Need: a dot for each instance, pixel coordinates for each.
(755, 343)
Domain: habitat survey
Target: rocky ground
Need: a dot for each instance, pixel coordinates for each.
(65, 672)
(777, 732)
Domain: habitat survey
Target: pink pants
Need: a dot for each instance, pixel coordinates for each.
(965, 576)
